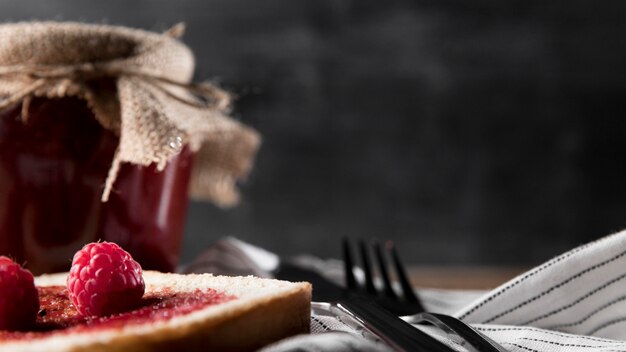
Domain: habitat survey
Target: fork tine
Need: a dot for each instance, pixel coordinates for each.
(384, 273)
(407, 289)
(348, 264)
(367, 268)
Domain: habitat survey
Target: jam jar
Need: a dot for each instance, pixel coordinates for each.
(53, 167)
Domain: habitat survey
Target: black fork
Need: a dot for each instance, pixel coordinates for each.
(407, 304)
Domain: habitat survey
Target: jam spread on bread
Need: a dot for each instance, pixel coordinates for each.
(58, 315)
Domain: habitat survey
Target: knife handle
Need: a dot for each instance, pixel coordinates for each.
(393, 331)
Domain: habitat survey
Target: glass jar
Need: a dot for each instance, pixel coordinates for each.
(53, 167)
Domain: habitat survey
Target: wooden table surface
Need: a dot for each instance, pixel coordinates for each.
(461, 277)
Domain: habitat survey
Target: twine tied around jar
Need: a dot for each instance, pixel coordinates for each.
(137, 84)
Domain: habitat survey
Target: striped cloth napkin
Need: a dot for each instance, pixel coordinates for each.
(574, 302)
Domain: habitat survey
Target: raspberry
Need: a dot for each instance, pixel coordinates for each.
(104, 279)
(19, 300)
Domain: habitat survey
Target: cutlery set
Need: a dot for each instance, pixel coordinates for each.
(381, 311)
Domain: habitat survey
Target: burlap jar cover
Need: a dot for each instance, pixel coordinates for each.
(150, 104)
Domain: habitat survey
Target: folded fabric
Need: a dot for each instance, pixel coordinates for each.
(574, 302)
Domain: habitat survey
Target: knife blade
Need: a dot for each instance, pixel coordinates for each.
(324, 290)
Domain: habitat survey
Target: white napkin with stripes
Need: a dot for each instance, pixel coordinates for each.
(575, 302)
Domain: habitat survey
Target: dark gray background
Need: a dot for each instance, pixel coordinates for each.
(484, 132)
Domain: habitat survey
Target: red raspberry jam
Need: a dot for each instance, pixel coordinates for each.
(52, 173)
(58, 316)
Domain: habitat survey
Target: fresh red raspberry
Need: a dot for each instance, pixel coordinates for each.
(104, 279)
(19, 300)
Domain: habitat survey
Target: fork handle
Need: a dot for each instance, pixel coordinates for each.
(399, 334)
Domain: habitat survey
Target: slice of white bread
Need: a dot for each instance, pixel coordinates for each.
(265, 311)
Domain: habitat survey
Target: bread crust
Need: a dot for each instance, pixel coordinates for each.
(265, 311)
